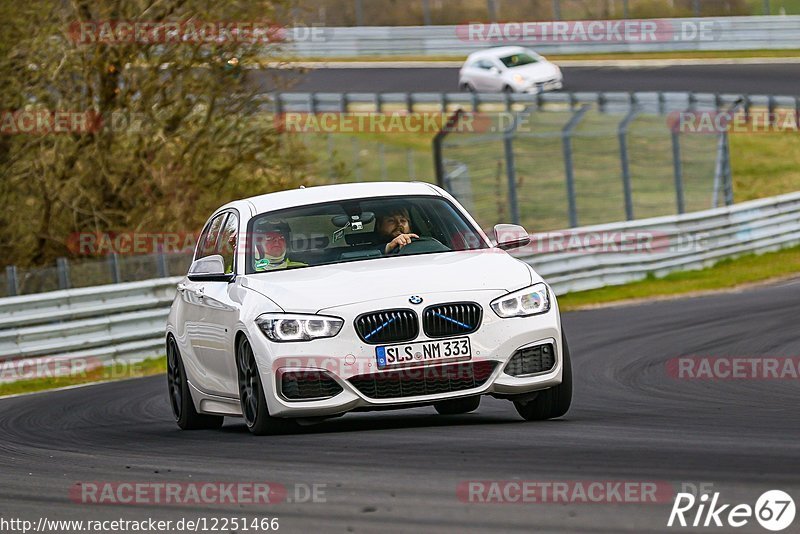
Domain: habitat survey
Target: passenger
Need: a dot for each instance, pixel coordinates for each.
(270, 248)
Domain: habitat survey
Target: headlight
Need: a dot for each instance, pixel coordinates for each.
(519, 78)
(295, 327)
(532, 300)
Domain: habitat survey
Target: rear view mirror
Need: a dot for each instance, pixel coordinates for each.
(343, 221)
(511, 236)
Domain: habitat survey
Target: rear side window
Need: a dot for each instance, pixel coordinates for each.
(208, 239)
(227, 242)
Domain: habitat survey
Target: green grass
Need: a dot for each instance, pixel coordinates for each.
(726, 274)
(117, 371)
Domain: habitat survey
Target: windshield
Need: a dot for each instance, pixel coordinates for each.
(354, 230)
(517, 60)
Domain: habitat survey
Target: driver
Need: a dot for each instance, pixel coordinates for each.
(269, 250)
(393, 227)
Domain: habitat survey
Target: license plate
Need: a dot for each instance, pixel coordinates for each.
(424, 352)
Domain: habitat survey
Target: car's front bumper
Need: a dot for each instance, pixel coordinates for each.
(346, 356)
(535, 88)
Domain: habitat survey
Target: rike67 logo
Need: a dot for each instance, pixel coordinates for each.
(774, 510)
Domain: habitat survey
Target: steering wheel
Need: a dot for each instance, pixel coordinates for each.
(420, 245)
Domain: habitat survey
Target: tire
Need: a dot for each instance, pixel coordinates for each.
(458, 406)
(508, 89)
(251, 396)
(467, 88)
(552, 402)
(181, 398)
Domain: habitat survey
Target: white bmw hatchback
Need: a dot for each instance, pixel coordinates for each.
(315, 302)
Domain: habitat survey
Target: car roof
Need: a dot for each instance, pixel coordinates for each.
(499, 51)
(327, 193)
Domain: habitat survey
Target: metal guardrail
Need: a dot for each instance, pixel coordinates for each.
(655, 102)
(427, 12)
(126, 321)
(670, 35)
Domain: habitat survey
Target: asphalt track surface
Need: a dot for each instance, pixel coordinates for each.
(398, 471)
(775, 79)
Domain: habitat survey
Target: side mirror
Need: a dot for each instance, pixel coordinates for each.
(209, 269)
(495, 71)
(511, 236)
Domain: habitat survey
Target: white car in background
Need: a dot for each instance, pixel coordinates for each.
(511, 69)
(296, 308)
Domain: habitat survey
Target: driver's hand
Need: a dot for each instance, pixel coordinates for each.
(399, 242)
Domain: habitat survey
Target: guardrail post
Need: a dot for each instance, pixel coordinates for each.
(113, 264)
(11, 280)
(728, 183)
(722, 171)
(511, 169)
(797, 112)
(438, 139)
(771, 105)
(343, 103)
(331, 164)
(601, 102)
(625, 9)
(566, 140)
(507, 99)
(696, 7)
(161, 264)
(409, 103)
(556, 9)
(359, 12)
(62, 267)
(662, 103)
(356, 159)
(277, 104)
(312, 103)
(426, 12)
(747, 105)
(382, 161)
(378, 102)
(767, 9)
(444, 103)
(573, 101)
(491, 6)
(623, 157)
(677, 170)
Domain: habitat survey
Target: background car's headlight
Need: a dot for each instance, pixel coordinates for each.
(296, 327)
(532, 300)
(519, 78)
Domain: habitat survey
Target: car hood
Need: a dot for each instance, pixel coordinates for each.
(311, 289)
(541, 71)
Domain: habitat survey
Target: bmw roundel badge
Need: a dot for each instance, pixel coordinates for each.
(415, 299)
